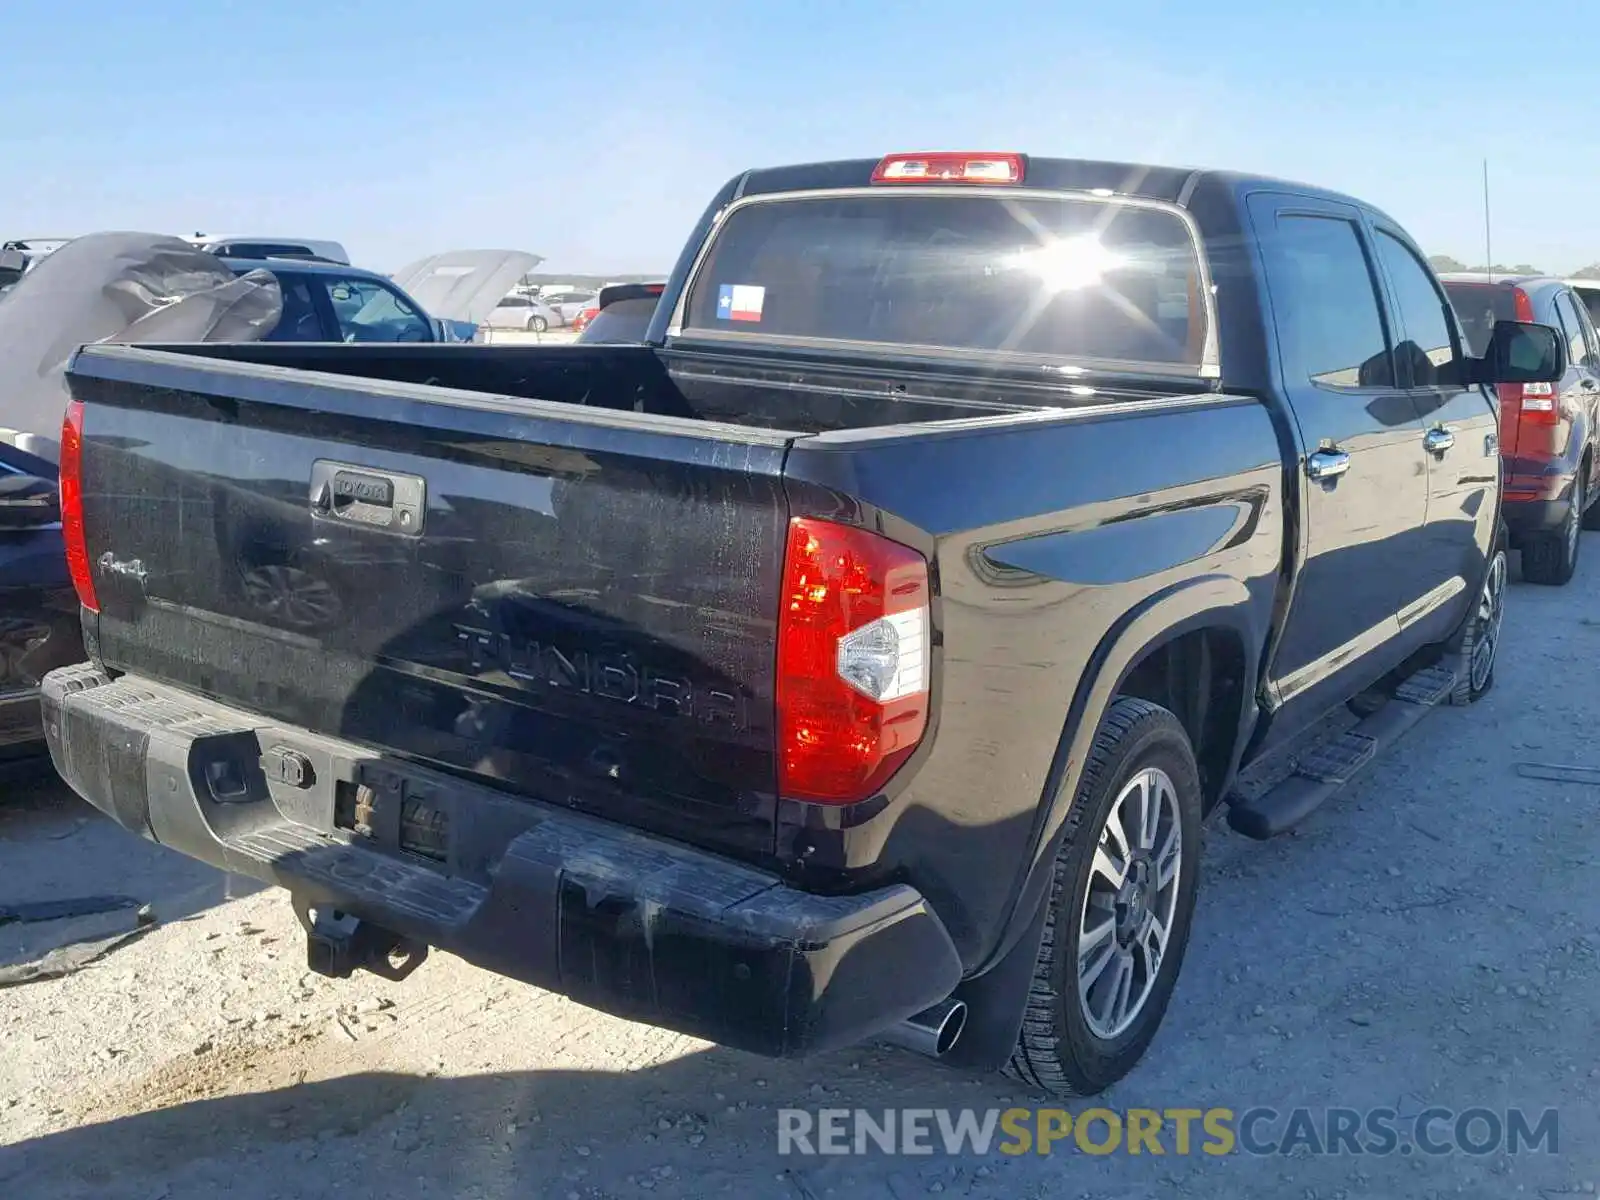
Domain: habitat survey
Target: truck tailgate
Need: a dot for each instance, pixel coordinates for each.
(574, 604)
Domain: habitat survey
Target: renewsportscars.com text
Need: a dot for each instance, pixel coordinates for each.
(1179, 1131)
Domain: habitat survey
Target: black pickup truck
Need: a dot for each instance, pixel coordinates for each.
(855, 657)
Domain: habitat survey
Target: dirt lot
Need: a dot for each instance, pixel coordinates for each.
(1428, 939)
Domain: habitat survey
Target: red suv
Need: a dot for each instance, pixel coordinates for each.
(1547, 430)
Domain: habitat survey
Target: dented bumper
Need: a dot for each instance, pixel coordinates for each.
(621, 921)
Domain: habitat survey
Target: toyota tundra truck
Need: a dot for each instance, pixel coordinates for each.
(854, 657)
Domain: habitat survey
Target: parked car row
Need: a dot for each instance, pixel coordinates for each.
(857, 653)
(537, 312)
(1548, 431)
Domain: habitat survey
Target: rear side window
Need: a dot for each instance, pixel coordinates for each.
(1062, 278)
(1591, 335)
(1325, 303)
(1572, 327)
(1427, 355)
(1591, 301)
(299, 321)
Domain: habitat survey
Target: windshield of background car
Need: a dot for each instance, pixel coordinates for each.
(1064, 277)
(1479, 306)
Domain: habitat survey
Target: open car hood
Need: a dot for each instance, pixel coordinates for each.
(114, 287)
(464, 285)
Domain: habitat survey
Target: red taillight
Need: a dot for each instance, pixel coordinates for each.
(964, 167)
(853, 661)
(71, 478)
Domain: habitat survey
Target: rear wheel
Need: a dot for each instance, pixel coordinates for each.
(1121, 904)
(538, 324)
(1551, 558)
(1591, 519)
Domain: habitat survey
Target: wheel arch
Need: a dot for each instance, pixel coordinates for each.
(1214, 611)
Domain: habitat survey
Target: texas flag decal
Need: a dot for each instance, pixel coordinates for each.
(740, 302)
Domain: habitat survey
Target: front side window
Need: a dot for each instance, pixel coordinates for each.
(1061, 277)
(1428, 349)
(367, 311)
(1325, 303)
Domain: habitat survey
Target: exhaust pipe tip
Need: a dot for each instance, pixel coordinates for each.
(933, 1032)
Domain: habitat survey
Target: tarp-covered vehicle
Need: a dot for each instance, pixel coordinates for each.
(133, 287)
(105, 287)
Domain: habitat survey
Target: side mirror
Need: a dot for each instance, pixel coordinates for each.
(1522, 352)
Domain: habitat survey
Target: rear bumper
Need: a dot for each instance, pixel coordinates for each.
(626, 923)
(1537, 501)
(1534, 494)
(1533, 516)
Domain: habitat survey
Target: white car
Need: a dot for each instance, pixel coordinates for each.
(568, 304)
(270, 247)
(524, 312)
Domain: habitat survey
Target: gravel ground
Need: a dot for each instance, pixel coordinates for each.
(1427, 939)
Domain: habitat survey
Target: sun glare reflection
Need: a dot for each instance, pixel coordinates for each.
(1067, 264)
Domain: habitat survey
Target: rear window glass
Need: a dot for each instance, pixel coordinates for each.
(1064, 278)
(1479, 306)
(621, 321)
(264, 250)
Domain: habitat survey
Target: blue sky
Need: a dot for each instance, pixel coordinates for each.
(593, 131)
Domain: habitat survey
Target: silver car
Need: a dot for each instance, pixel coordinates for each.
(524, 312)
(569, 304)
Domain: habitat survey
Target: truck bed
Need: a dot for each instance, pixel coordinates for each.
(583, 607)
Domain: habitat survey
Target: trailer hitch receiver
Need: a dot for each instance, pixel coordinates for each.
(338, 944)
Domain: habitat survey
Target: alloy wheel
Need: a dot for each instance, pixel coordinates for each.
(1128, 908)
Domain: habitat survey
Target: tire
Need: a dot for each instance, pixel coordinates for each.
(1060, 1050)
(1478, 643)
(1551, 558)
(1591, 518)
(538, 324)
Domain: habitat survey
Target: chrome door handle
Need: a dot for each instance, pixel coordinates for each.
(1327, 464)
(1439, 439)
